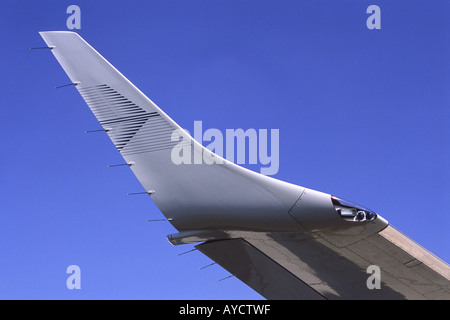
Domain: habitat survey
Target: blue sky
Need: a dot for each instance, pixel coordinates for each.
(363, 114)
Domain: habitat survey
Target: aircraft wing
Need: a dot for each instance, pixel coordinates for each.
(283, 240)
(284, 265)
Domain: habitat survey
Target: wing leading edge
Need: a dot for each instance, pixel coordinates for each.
(283, 240)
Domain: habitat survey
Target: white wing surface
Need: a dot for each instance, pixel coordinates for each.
(284, 241)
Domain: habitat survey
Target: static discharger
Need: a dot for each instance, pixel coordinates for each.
(226, 278)
(180, 254)
(99, 130)
(122, 164)
(49, 47)
(209, 265)
(69, 84)
(150, 192)
(153, 220)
